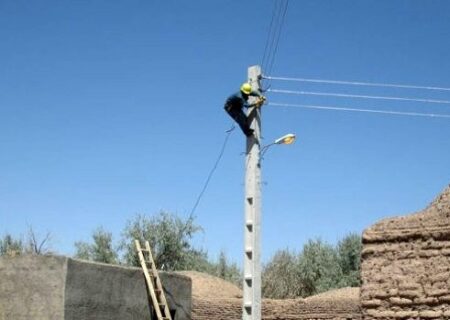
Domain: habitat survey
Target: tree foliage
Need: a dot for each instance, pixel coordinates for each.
(101, 250)
(280, 277)
(11, 246)
(317, 268)
(32, 243)
(170, 239)
(226, 270)
(349, 253)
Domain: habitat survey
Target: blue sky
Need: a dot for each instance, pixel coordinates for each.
(112, 108)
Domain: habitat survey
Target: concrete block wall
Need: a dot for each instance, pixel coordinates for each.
(60, 288)
(406, 265)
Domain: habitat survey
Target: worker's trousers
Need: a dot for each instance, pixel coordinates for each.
(241, 119)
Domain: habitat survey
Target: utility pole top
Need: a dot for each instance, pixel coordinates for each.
(254, 76)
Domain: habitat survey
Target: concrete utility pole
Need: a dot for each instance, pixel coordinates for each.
(252, 257)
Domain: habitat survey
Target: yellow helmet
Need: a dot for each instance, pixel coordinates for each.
(246, 88)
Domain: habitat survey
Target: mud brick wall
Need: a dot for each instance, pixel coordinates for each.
(406, 265)
(314, 308)
(216, 299)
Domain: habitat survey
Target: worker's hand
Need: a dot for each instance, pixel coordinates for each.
(260, 101)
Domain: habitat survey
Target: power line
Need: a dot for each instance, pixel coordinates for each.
(280, 28)
(269, 35)
(274, 34)
(415, 114)
(356, 83)
(222, 150)
(344, 95)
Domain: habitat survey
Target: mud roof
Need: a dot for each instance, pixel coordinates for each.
(432, 222)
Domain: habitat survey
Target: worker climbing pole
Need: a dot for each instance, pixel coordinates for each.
(236, 103)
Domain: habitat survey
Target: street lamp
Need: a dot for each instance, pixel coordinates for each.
(286, 139)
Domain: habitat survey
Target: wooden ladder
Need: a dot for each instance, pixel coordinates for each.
(154, 285)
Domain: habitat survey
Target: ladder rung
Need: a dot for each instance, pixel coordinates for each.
(154, 285)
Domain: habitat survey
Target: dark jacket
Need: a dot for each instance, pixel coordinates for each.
(239, 100)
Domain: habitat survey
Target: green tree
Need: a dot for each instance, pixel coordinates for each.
(101, 250)
(281, 276)
(319, 267)
(226, 270)
(170, 239)
(11, 246)
(349, 255)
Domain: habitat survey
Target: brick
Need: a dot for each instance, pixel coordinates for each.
(406, 254)
(371, 303)
(437, 292)
(393, 292)
(400, 301)
(434, 244)
(380, 313)
(429, 253)
(444, 276)
(381, 294)
(430, 314)
(444, 299)
(404, 314)
(427, 301)
(409, 285)
(386, 314)
(372, 312)
(410, 294)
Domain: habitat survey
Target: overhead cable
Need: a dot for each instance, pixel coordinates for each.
(270, 34)
(222, 150)
(414, 114)
(274, 34)
(357, 83)
(277, 42)
(344, 95)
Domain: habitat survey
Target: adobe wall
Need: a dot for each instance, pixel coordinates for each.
(49, 287)
(339, 308)
(32, 287)
(406, 265)
(215, 298)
